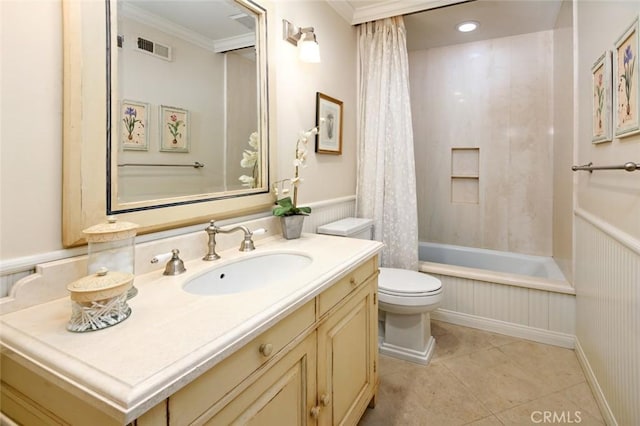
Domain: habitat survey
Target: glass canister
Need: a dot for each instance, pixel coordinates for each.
(99, 300)
(112, 246)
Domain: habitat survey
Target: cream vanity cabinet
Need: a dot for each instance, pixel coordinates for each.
(316, 366)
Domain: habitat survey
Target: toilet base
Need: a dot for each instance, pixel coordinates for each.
(407, 337)
(407, 354)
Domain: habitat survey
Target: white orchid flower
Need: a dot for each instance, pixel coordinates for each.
(249, 159)
(246, 181)
(253, 140)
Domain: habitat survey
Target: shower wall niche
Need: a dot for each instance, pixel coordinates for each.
(465, 175)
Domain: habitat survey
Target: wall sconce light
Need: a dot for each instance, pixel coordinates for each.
(305, 39)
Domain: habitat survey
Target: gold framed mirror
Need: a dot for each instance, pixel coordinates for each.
(130, 151)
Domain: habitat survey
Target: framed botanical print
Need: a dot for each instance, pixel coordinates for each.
(601, 110)
(329, 122)
(134, 122)
(174, 129)
(627, 83)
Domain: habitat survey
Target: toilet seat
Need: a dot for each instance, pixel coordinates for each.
(402, 282)
(404, 291)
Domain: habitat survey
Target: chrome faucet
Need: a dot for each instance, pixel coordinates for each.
(246, 244)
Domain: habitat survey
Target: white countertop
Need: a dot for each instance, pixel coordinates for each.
(171, 336)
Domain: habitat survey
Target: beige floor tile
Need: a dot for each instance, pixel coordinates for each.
(487, 421)
(454, 340)
(414, 394)
(481, 379)
(550, 409)
(497, 381)
(555, 368)
(582, 396)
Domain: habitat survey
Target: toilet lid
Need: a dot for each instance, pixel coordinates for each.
(402, 282)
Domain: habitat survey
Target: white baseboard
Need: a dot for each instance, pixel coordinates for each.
(603, 405)
(510, 329)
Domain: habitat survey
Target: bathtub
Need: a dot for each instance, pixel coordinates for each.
(517, 295)
(535, 272)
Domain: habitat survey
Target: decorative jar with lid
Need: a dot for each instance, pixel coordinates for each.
(112, 246)
(99, 300)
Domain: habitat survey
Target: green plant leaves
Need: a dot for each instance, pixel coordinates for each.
(286, 208)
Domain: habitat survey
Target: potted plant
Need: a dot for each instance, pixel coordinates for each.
(292, 216)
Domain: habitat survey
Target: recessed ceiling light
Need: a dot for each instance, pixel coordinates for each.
(468, 26)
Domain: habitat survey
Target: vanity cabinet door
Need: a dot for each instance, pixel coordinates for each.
(284, 395)
(347, 358)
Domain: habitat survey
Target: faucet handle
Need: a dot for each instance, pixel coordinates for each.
(174, 266)
(212, 227)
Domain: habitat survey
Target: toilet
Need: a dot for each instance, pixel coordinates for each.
(405, 300)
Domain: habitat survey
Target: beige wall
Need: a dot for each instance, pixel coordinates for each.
(148, 79)
(563, 140)
(607, 247)
(31, 127)
(611, 196)
(31, 149)
(495, 95)
(326, 176)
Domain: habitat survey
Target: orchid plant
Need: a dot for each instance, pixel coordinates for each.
(250, 161)
(288, 206)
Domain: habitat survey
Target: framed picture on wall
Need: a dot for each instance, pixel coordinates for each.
(601, 111)
(174, 129)
(134, 122)
(627, 83)
(329, 122)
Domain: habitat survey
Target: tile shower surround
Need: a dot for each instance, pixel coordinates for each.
(495, 95)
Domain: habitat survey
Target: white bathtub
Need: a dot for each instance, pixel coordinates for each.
(517, 295)
(493, 266)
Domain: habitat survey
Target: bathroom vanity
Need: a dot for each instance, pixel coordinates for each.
(300, 350)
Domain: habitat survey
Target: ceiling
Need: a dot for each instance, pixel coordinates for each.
(430, 23)
(437, 26)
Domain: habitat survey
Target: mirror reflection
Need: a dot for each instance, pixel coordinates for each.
(186, 104)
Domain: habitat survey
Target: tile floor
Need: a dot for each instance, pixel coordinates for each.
(481, 378)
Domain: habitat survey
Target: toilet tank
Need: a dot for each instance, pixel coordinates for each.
(352, 227)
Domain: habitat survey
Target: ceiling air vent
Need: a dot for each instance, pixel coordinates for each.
(156, 49)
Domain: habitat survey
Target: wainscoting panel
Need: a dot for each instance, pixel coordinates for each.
(538, 315)
(607, 281)
(327, 212)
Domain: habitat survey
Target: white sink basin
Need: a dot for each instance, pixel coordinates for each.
(247, 274)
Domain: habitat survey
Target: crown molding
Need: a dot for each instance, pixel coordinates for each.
(385, 9)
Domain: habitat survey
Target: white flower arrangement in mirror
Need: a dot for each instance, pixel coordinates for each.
(250, 161)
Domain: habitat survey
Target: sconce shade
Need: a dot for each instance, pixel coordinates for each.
(308, 48)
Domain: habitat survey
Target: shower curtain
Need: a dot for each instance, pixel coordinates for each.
(386, 183)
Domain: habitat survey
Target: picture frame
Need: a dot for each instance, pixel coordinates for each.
(134, 125)
(174, 129)
(329, 122)
(602, 97)
(627, 83)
